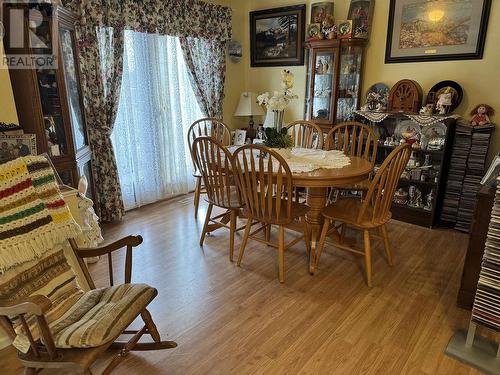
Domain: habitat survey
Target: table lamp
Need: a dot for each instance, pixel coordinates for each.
(248, 106)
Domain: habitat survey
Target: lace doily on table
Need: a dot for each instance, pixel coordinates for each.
(422, 120)
(302, 160)
(308, 160)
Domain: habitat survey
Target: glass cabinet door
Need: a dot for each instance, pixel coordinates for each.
(349, 82)
(50, 98)
(323, 78)
(70, 66)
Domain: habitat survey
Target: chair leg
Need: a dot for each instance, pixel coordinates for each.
(321, 244)
(281, 253)
(197, 193)
(307, 240)
(244, 241)
(368, 257)
(205, 226)
(29, 371)
(387, 245)
(267, 232)
(232, 230)
(342, 232)
(150, 324)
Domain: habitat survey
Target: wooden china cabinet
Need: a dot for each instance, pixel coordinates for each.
(334, 73)
(49, 102)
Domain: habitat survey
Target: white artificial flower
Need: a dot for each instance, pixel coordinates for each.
(280, 99)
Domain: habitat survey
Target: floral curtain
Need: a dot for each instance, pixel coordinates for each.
(206, 61)
(102, 23)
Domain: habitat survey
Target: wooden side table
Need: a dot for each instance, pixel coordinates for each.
(475, 250)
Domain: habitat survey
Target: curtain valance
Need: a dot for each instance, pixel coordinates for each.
(183, 18)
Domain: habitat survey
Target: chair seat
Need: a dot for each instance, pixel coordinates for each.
(228, 202)
(347, 210)
(298, 210)
(100, 315)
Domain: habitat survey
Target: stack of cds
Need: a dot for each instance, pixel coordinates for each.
(486, 310)
(473, 174)
(456, 174)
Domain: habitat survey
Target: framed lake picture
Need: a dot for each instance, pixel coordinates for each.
(423, 30)
(277, 36)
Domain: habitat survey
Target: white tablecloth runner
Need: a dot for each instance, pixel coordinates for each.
(306, 160)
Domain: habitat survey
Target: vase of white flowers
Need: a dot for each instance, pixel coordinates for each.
(277, 103)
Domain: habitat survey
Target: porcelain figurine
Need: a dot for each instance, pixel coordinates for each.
(415, 196)
(481, 115)
(401, 196)
(444, 101)
(427, 109)
(412, 161)
(429, 201)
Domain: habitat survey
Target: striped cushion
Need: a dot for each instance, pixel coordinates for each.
(100, 315)
(77, 319)
(50, 276)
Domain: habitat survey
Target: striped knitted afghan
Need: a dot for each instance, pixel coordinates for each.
(33, 214)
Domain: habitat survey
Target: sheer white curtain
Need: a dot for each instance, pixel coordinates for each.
(157, 106)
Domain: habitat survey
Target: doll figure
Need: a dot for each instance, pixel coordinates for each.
(444, 101)
(481, 115)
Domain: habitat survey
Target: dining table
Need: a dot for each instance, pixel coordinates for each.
(318, 171)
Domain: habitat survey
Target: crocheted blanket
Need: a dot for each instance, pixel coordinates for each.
(33, 214)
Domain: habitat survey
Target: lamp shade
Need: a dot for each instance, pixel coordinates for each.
(248, 106)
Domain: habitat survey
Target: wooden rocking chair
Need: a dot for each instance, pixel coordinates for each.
(61, 326)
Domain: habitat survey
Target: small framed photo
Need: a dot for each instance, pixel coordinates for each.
(239, 137)
(344, 29)
(14, 146)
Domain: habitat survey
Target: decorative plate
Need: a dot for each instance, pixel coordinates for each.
(439, 88)
(407, 129)
(438, 130)
(377, 97)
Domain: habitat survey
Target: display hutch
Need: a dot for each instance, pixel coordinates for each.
(49, 100)
(334, 73)
(426, 174)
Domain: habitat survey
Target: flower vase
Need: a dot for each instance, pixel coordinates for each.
(274, 119)
(278, 119)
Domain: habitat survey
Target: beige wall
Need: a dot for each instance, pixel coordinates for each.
(8, 112)
(477, 77)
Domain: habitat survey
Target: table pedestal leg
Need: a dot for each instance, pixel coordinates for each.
(316, 200)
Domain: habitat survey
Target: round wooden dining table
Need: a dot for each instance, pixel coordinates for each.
(317, 183)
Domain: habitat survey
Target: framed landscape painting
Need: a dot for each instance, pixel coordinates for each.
(423, 30)
(277, 36)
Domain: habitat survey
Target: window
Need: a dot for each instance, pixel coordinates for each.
(157, 106)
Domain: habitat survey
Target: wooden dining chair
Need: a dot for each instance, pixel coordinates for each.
(305, 134)
(205, 127)
(57, 325)
(215, 165)
(265, 182)
(354, 139)
(371, 213)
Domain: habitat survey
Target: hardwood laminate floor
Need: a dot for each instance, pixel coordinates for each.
(230, 320)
